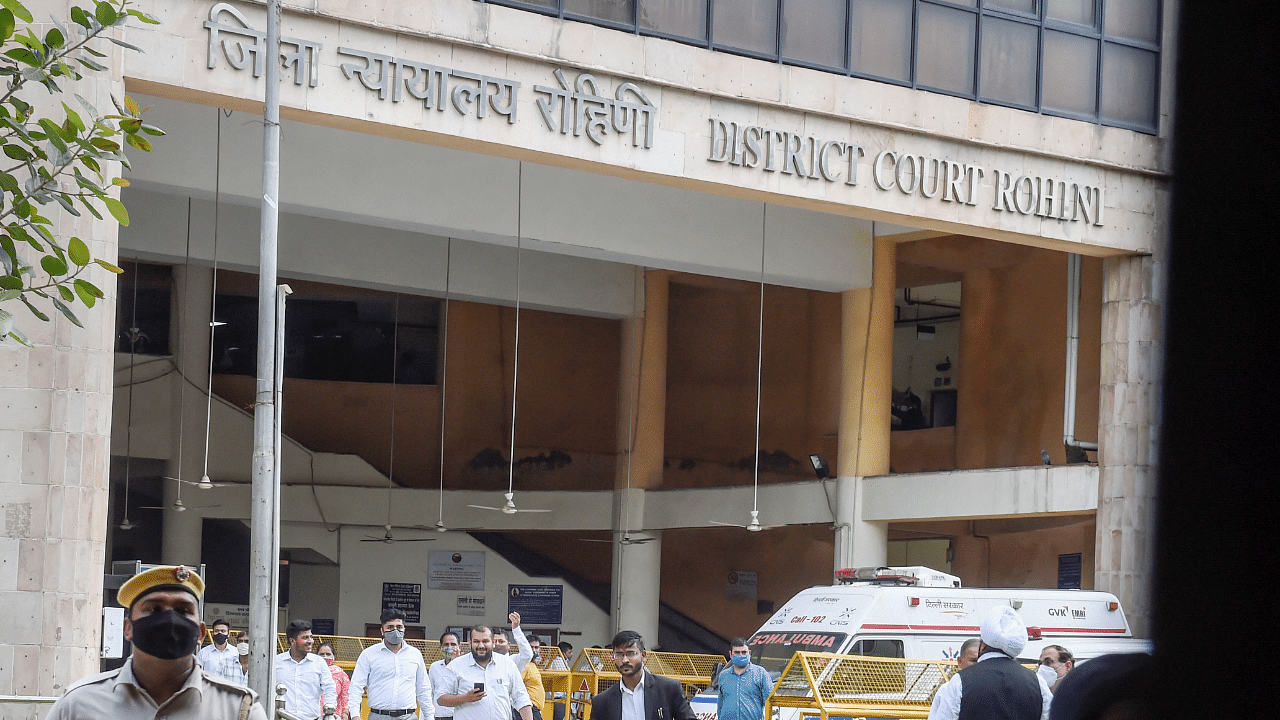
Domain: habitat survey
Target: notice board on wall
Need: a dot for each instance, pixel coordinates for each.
(540, 604)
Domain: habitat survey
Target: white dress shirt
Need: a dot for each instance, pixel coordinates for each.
(526, 650)
(309, 681)
(633, 700)
(223, 663)
(504, 689)
(946, 704)
(395, 681)
(438, 672)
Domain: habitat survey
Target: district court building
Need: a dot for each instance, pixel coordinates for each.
(955, 210)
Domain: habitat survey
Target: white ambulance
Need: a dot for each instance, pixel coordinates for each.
(924, 614)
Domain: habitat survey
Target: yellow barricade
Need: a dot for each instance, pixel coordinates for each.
(824, 685)
(593, 672)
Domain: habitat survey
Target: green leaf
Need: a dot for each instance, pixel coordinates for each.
(20, 336)
(65, 202)
(54, 38)
(131, 105)
(104, 13)
(108, 266)
(120, 182)
(79, 17)
(74, 117)
(88, 106)
(53, 265)
(7, 25)
(124, 44)
(145, 17)
(8, 182)
(7, 295)
(11, 282)
(66, 294)
(34, 310)
(118, 211)
(87, 292)
(91, 64)
(6, 318)
(23, 55)
(78, 252)
(17, 152)
(17, 9)
(152, 130)
(139, 142)
(62, 308)
(92, 210)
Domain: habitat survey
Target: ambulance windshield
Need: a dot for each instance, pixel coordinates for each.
(772, 650)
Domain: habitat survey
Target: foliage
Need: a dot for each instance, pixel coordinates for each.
(61, 161)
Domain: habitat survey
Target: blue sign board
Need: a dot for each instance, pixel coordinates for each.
(1069, 571)
(537, 604)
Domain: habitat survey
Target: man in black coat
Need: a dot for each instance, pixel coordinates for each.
(641, 695)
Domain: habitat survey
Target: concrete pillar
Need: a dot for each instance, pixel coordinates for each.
(1132, 360)
(974, 379)
(55, 428)
(637, 566)
(189, 343)
(866, 391)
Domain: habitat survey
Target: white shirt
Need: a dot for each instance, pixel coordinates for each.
(223, 663)
(309, 681)
(946, 704)
(526, 650)
(503, 687)
(438, 672)
(395, 680)
(633, 700)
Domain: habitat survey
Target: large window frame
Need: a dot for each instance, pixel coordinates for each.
(980, 9)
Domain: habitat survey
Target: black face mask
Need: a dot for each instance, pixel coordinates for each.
(220, 638)
(165, 634)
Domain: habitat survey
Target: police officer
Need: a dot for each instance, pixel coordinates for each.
(161, 678)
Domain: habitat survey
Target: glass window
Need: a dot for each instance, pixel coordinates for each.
(813, 31)
(878, 648)
(1128, 85)
(617, 11)
(945, 49)
(747, 25)
(1080, 12)
(1009, 61)
(1070, 73)
(1026, 7)
(1132, 19)
(675, 17)
(146, 330)
(880, 38)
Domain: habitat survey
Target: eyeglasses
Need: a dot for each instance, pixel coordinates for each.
(628, 655)
(1050, 662)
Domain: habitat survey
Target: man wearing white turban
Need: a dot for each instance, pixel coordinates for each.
(996, 687)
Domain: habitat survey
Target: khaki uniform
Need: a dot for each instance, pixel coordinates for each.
(118, 695)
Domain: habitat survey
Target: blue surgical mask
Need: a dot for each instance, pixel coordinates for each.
(741, 660)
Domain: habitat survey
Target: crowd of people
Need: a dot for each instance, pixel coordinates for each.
(168, 675)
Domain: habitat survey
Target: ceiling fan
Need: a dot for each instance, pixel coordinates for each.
(388, 538)
(177, 506)
(132, 335)
(754, 524)
(510, 507)
(626, 539)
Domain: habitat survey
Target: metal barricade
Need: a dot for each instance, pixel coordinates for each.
(593, 672)
(825, 685)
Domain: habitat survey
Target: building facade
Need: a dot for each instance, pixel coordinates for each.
(634, 263)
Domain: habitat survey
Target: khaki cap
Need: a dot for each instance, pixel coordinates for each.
(163, 577)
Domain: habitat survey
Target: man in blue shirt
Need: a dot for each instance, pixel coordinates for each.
(743, 686)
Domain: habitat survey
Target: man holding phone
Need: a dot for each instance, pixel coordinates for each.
(484, 685)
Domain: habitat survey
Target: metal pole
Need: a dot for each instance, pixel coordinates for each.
(264, 559)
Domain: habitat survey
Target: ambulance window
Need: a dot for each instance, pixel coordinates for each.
(878, 648)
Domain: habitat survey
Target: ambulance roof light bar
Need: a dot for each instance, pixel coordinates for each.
(916, 576)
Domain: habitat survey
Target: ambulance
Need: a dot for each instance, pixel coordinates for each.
(923, 614)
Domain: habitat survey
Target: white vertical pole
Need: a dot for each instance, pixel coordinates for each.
(264, 557)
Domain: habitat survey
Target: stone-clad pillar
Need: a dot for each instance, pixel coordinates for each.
(643, 377)
(1132, 352)
(866, 393)
(55, 428)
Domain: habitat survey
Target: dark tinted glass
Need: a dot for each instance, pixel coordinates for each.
(618, 11)
(1069, 80)
(945, 49)
(1128, 85)
(747, 25)
(813, 31)
(1009, 61)
(685, 18)
(880, 38)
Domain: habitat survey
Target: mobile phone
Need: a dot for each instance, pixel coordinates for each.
(478, 686)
